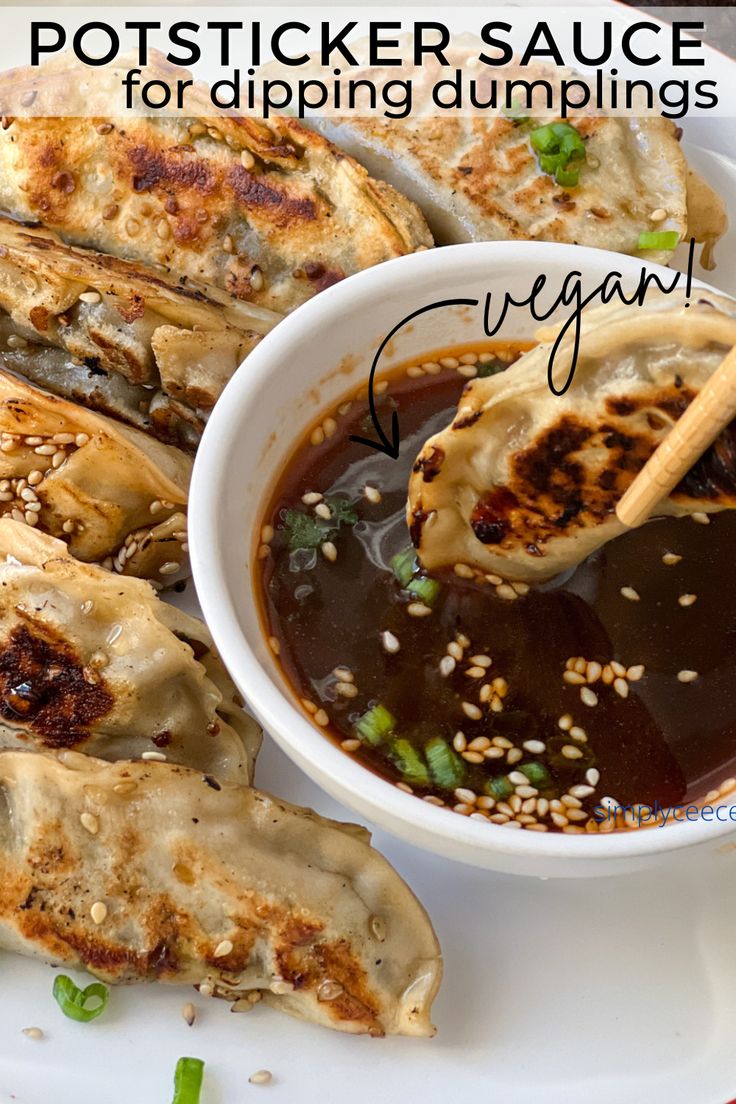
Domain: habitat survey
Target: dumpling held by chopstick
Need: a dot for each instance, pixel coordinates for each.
(524, 483)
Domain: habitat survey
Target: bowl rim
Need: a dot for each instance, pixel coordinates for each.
(330, 767)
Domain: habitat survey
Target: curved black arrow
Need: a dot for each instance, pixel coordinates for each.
(384, 444)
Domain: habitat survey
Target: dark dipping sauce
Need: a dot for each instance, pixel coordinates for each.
(667, 742)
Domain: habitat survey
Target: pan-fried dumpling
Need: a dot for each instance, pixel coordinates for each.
(115, 495)
(209, 884)
(524, 483)
(477, 178)
(97, 663)
(172, 347)
(267, 211)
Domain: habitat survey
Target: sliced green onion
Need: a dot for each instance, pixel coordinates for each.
(188, 1080)
(73, 1001)
(445, 766)
(567, 178)
(427, 590)
(659, 239)
(551, 162)
(375, 725)
(409, 762)
(556, 145)
(537, 774)
(500, 788)
(403, 565)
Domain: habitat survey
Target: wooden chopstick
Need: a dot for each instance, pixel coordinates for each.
(708, 414)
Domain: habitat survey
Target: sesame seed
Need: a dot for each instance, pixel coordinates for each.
(658, 215)
(634, 673)
(321, 718)
(414, 373)
(381, 388)
(570, 802)
(571, 752)
(418, 609)
(350, 745)
(573, 678)
(542, 806)
(468, 370)
(431, 367)
(454, 650)
(471, 711)
(517, 778)
(588, 696)
(323, 511)
(593, 776)
(475, 672)
(687, 676)
(618, 668)
(621, 686)
(329, 551)
(473, 757)
(671, 558)
(582, 791)
(481, 660)
(593, 671)
(607, 675)
(480, 743)
(372, 494)
(565, 722)
(274, 644)
(90, 822)
(317, 436)
(687, 599)
(700, 518)
(459, 741)
(189, 1013)
(463, 571)
(346, 689)
(223, 949)
(98, 912)
(33, 1032)
(465, 795)
(329, 425)
(502, 742)
(558, 819)
(534, 747)
(247, 160)
(90, 297)
(261, 1077)
(311, 498)
(527, 792)
(267, 534)
(506, 592)
(630, 593)
(390, 643)
(154, 756)
(169, 568)
(125, 787)
(344, 674)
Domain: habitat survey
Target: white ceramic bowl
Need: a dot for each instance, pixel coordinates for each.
(299, 371)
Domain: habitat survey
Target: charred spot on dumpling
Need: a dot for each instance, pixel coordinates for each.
(44, 686)
(713, 476)
(430, 463)
(467, 420)
(418, 518)
(490, 519)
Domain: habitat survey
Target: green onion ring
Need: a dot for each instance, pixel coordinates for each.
(659, 239)
(73, 1001)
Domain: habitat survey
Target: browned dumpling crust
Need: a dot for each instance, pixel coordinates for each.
(210, 884)
(270, 212)
(524, 483)
(124, 338)
(116, 496)
(97, 663)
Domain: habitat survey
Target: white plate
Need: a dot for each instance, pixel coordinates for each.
(555, 992)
